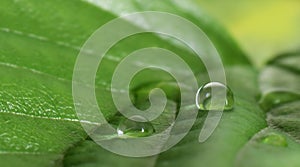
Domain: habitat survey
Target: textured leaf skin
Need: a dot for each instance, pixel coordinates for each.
(279, 82)
(37, 56)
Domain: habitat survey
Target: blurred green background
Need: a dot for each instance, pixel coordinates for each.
(262, 28)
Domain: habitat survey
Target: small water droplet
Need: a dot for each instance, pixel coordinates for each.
(204, 97)
(274, 139)
(138, 128)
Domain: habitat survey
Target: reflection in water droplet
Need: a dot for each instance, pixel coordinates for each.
(274, 139)
(139, 128)
(204, 97)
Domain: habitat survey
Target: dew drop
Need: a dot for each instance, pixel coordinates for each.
(274, 139)
(136, 126)
(276, 98)
(204, 97)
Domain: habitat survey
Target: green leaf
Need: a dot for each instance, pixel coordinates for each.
(38, 50)
(90, 154)
(279, 150)
(190, 152)
(277, 145)
(186, 9)
(281, 95)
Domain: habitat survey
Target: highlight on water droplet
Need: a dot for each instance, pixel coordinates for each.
(204, 99)
(135, 126)
(274, 139)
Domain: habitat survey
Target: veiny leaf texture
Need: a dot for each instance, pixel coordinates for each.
(280, 85)
(39, 43)
(277, 145)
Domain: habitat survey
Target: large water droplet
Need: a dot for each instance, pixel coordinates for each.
(204, 99)
(137, 128)
(274, 139)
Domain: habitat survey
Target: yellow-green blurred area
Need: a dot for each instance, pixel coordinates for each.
(262, 28)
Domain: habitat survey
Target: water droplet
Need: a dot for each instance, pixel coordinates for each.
(274, 139)
(276, 98)
(137, 128)
(204, 97)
